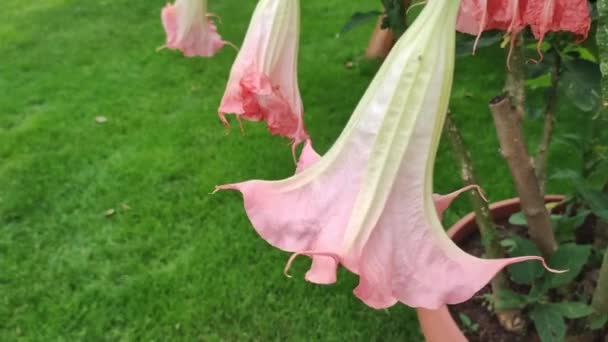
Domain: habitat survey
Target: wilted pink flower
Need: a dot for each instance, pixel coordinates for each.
(263, 83)
(512, 16)
(558, 15)
(476, 16)
(190, 29)
(368, 203)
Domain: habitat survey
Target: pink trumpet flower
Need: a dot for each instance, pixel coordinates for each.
(263, 83)
(512, 16)
(190, 29)
(368, 202)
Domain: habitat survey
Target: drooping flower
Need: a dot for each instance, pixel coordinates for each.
(558, 15)
(512, 16)
(368, 202)
(476, 16)
(190, 29)
(263, 83)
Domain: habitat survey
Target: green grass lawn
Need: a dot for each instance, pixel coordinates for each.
(173, 262)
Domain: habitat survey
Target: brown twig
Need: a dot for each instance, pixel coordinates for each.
(508, 127)
(516, 76)
(510, 320)
(540, 163)
(487, 229)
(600, 296)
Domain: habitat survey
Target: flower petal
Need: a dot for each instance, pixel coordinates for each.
(558, 15)
(263, 83)
(189, 29)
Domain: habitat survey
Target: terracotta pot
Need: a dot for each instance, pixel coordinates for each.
(380, 43)
(438, 325)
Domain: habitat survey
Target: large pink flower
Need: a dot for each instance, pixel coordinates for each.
(190, 29)
(512, 16)
(368, 203)
(263, 83)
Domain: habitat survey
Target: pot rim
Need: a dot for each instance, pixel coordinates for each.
(439, 325)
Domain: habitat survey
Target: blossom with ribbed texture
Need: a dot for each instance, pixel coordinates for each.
(263, 83)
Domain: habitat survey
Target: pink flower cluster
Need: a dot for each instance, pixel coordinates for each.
(367, 204)
(512, 16)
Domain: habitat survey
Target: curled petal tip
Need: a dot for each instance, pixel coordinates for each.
(238, 118)
(541, 259)
(481, 192)
(232, 45)
(223, 119)
(288, 264)
(224, 187)
(214, 16)
(309, 254)
(552, 270)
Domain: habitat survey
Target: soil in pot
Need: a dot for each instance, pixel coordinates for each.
(489, 329)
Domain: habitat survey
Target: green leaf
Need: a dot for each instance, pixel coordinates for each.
(570, 257)
(596, 200)
(565, 227)
(507, 299)
(549, 323)
(567, 175)
(466, 320)
(598, 321)
(395, 16)
(543, 81)
(599, 176)
(465, 42)
(572, 140)
(539, 289)
(358, 19)
(572, 310)
(524, 272)
(581, 83)
(581, 51)
(518, 219)
(508, 244)
(534, 70)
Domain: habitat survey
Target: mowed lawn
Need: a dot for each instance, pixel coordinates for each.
(108, 230)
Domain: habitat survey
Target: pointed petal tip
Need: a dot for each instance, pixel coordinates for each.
(536, 258)
(225, 187)
(323, 270)
(320, 272)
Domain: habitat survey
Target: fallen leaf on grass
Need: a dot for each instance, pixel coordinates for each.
(101, 119)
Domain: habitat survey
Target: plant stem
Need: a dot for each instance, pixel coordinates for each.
(507, 121)
(516, 76)
(540, 163)
(511, 320)
(508, 113)
(489, 236)
(600, 296)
